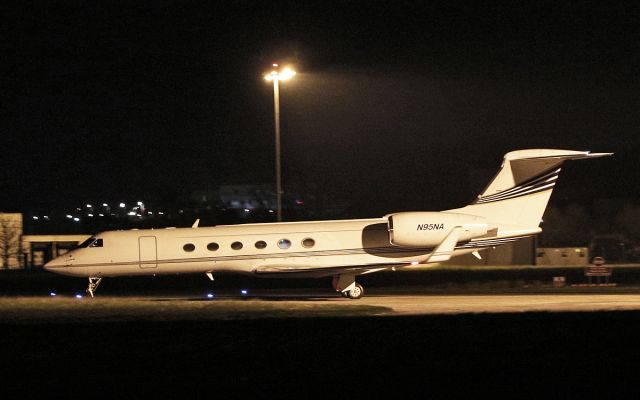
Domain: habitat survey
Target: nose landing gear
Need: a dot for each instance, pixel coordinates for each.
(94, 282)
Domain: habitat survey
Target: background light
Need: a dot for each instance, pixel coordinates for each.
(283, 75)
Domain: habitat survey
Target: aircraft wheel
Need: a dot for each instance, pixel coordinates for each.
(357, 292)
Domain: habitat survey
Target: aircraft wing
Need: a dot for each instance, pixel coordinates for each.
(320, 271)
(443, 252)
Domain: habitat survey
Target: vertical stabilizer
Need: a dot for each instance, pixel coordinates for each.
(519, 193)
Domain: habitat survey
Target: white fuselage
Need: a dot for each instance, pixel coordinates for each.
(306, 247)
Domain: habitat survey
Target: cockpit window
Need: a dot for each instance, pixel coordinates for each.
(91, 242)
(87, 242)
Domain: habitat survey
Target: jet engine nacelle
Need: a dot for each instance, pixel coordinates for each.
(419, 229)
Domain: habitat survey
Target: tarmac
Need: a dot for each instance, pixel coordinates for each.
(450, 334)
(428, 305)
(288, 343)
(68, 308)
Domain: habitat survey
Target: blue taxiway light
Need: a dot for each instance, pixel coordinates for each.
(244, 292)
(78, 296)
(210, 295)
(52, 294)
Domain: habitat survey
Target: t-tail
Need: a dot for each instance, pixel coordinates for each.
(515, 200)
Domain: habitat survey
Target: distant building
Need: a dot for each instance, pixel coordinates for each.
(26, 251)
(521, 252)
(40, 249)
(247, 197)
(11, 240)
(562, 256)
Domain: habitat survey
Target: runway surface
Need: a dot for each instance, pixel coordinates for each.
(421, 305)
(426, 346)
(123, 308)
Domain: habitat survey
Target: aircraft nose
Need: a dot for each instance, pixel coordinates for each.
(55, 263)
(59, 262)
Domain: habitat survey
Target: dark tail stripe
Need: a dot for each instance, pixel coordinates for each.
(541, 183)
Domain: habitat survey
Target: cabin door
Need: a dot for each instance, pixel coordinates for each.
(148, 252)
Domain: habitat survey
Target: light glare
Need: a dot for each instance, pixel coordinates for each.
(287, 74)
(283, 75)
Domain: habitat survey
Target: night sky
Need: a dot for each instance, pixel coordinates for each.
(396, 106)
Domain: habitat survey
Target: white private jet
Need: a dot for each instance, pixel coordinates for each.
(510, 208)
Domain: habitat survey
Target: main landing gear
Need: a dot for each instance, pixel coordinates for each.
(94, 282)
(354, 293)
(347, 286)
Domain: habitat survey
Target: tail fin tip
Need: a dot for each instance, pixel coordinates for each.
(519, 193)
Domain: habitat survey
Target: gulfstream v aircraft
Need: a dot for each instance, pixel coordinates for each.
(510, 208)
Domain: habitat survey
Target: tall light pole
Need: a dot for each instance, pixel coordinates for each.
(278, 75)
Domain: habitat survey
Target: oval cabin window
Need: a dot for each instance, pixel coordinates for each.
(213, 246)
(284, 243)
(189, 247)
(308, 243)
(261, 244)
(236, 245)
